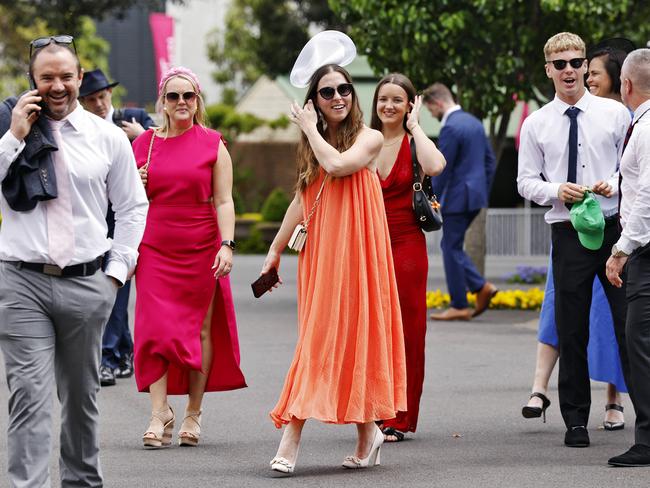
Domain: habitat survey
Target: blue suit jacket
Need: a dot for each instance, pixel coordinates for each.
(464, 185)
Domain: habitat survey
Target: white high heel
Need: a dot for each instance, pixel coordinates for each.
(373, 459)
(282, 465)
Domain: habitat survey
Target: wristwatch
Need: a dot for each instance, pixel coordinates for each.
(230, 244)
(617, 253)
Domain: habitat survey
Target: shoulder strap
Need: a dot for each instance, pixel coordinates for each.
(153, 136)
(316, 202)
(426, 181)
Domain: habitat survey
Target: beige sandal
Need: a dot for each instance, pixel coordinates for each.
(159, 432)
(190, 431)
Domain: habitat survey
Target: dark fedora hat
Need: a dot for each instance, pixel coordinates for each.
(93, 81)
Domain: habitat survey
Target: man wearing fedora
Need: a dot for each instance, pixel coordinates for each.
(95, 95)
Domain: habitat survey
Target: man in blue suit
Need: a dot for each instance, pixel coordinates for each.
(463, 189)
(95, 94)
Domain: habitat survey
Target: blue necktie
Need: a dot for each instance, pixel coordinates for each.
(572, 113)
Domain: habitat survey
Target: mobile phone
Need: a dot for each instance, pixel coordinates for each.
(265, 282)
(32, 86)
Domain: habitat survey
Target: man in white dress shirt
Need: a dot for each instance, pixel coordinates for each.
(54, 296)
(571, 144)
(633, 248)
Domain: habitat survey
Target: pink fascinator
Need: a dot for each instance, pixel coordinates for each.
(178, 71)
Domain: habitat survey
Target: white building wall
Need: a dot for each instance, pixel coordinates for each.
(192, 23)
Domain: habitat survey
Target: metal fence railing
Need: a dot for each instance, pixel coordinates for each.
(509, 232)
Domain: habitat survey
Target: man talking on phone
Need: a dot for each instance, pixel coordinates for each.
(59, 165)
(96, 96)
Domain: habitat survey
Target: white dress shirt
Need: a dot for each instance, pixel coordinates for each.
(102, 167)
(544, 151)
(635, 186)
(448, 112)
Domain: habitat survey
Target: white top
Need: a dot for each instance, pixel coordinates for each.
(448, 112)
(544, 151)
(102, 167)
(635, 187)
(109, 115)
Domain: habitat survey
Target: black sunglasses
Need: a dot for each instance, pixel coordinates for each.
(560, 64)
(44, 41)
(188, 96)
(327, 92)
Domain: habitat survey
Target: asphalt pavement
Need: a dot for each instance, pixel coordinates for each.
(470, 434)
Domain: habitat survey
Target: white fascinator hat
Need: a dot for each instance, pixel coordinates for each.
(327, 47)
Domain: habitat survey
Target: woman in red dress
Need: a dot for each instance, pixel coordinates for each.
(395, 111)
(185, 328)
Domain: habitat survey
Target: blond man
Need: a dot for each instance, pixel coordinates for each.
(570, 145)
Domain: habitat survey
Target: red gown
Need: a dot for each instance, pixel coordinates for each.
(411, 265)
(174, 279)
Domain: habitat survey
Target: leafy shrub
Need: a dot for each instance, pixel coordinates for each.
(275, 206)
(253, 244)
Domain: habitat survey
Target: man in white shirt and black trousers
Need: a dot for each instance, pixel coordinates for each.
(571, 144)
(54, 297)
(632, 250)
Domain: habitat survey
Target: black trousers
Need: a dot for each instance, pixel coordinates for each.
(574, 270)
(638, 339)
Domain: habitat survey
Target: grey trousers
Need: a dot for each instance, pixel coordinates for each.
(638, 339)
(51, 329)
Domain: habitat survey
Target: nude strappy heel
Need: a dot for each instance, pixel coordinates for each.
(159, 432)
(190, 429)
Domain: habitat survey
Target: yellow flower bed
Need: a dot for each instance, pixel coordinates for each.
(506, 300)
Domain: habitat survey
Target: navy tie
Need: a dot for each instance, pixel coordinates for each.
(572, 113)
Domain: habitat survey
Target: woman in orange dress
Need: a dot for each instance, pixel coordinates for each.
(349, 364)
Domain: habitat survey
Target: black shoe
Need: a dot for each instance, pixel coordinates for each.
(577, 436)
(106, 376)
(638, 455)
(607, 425)
(535, 412)
(125, 369)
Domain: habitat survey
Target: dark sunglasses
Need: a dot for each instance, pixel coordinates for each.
(327, 92)
(560, 64)
(44, 41)
(188, 96)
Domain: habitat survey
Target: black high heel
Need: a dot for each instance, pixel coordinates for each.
(535, 412)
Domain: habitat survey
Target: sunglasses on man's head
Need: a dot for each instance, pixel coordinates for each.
(41, 42)
(560, 64)
(188, 96)
(327, 92)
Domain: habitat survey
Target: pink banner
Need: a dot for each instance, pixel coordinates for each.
(162, 34)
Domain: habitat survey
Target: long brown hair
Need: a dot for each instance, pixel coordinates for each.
(396, 79)
(346, 134)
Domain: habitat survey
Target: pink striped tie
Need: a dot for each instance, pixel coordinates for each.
(60, 224)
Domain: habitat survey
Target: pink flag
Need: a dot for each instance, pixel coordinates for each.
(162, 34)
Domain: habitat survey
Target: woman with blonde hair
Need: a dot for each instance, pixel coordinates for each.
(348, 366)
(185, 328)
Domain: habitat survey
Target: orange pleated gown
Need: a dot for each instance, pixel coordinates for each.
(349, 364)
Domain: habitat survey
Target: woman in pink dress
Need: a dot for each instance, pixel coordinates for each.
(185, 329)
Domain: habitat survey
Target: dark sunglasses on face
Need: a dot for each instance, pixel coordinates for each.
(327, 92)
(188, 96)
(44, 41)
(560, 64)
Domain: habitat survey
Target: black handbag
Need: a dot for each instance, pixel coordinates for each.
(425, 203)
